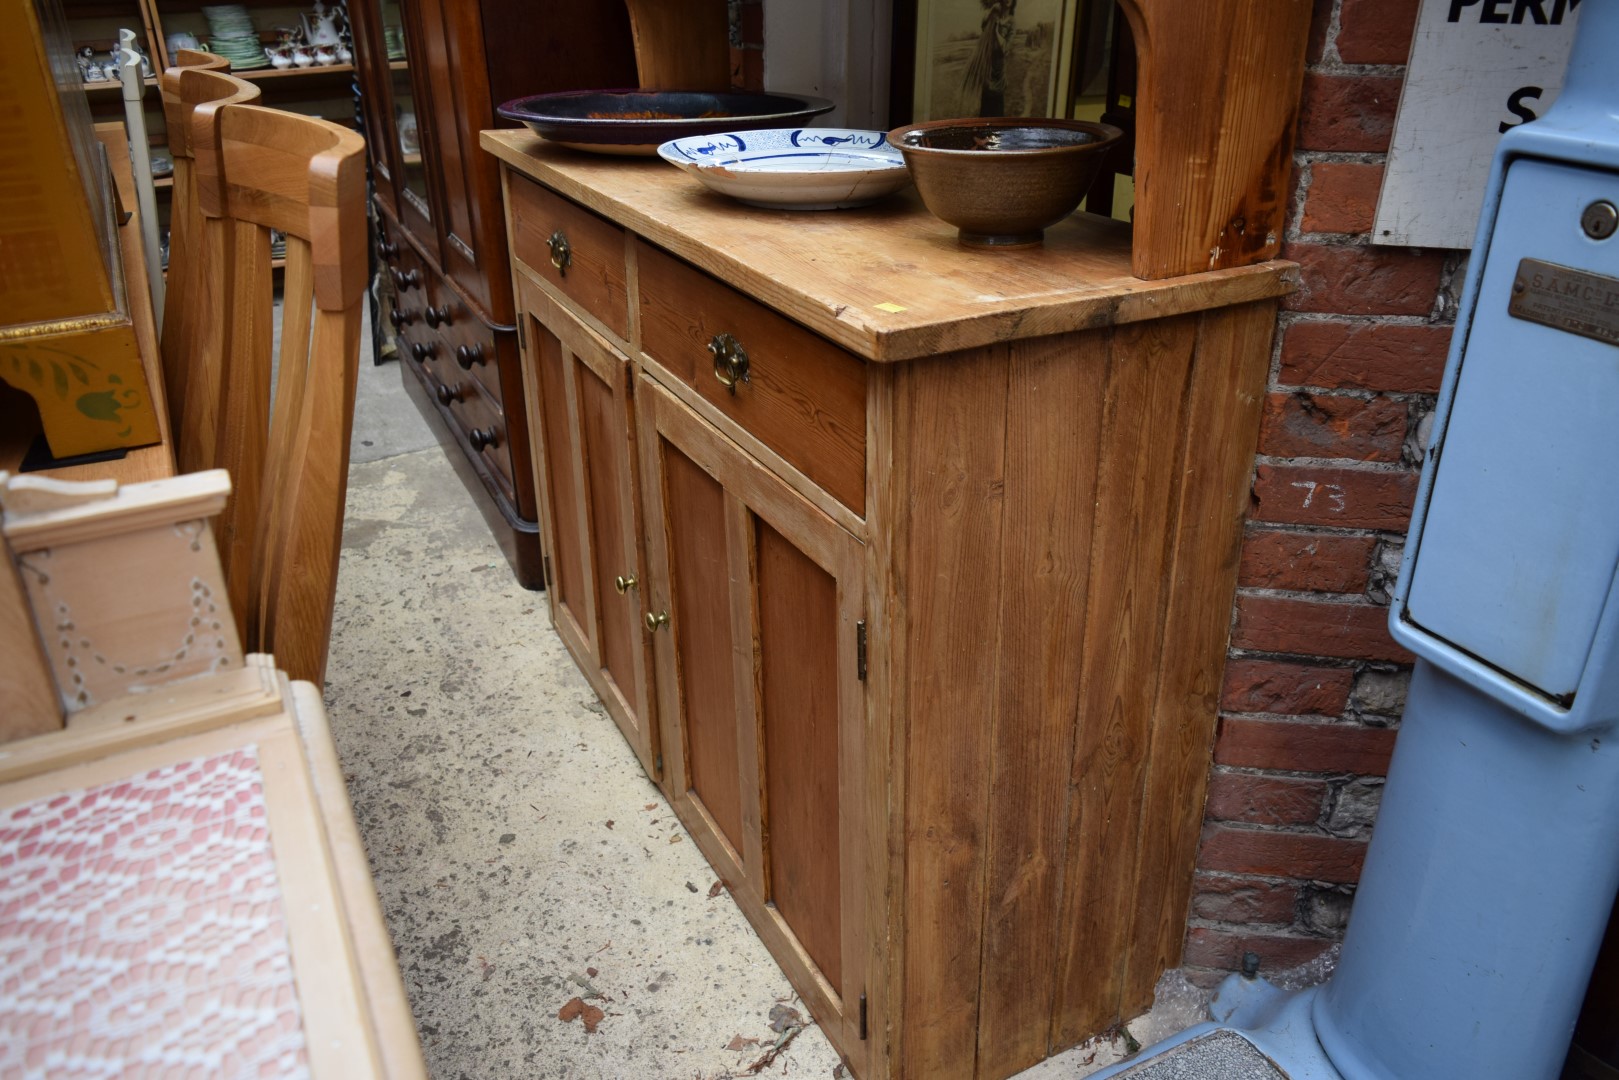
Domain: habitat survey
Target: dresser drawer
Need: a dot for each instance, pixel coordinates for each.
(579, 253)
(469, 353)
(480, 425)
(800, 395)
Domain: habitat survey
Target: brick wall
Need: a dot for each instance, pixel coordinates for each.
(1314, 685)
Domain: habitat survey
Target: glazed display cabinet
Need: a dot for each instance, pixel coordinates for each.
(431, 75)
(325, 89)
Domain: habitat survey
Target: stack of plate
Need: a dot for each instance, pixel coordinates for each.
(394, 38)
(233, 36)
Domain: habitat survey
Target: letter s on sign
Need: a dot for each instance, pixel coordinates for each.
(1516, 106)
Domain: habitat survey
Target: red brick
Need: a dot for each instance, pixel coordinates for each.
(1264, 800)
(1348, 112)
(1365, 356)
(1301, 747)
(1272, 687)
(1220, 898)
(1307, 562)
(1342, 197)
(1302, 424)
(1320, 23)
(1212, 948)
(1311, 628)
(1306, 856)
(1350, 280)
(1376, 31)
(1323, 495)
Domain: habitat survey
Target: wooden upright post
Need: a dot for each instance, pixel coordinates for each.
(1217, 102)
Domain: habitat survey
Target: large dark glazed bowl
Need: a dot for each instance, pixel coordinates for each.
(638, 121)
(1002, 181)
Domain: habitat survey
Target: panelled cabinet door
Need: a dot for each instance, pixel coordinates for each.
(579, 391)
(757, 598)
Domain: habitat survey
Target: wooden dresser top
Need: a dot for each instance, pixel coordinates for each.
(888, 281)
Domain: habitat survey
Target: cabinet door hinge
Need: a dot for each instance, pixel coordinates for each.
(657, 763)
(860, 650)
(522, 336)
(629, 379)
(545, 561)
(862, 1017)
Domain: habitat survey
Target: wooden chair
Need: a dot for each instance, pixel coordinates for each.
(259, 169)
(196, 77)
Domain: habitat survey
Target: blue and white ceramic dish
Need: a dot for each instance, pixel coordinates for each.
(793, 168)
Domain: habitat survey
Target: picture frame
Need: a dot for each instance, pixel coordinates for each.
(993, 57)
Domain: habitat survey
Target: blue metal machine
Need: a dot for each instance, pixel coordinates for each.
(1495, 860)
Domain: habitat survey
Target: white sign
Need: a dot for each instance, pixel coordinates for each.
(1478, 68)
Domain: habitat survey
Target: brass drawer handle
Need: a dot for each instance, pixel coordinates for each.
(624, 583)
(657, 621)
(561, 253)
(730, 361)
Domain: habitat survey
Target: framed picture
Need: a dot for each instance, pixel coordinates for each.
(993, 57)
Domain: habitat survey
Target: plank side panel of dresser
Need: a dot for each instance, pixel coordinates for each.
(1222, 427)
(1053, 445)
(1137, 491)
(954, 417)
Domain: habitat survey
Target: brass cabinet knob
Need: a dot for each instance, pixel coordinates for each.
(730, 361)
(561, 253)
(624, 583)
(656, 621)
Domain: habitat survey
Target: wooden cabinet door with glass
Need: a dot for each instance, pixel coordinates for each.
(756, 600)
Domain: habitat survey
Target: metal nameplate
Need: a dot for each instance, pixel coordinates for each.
(1563, 298)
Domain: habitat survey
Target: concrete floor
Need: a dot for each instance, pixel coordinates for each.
(522, 857)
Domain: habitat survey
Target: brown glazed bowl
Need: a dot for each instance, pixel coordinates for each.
(1002, 181)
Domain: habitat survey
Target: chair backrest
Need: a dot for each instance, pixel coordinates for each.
(196, 78)
(260, 169)
(106, 592)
